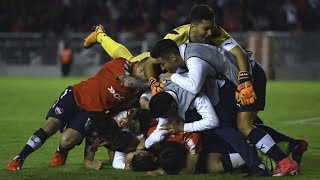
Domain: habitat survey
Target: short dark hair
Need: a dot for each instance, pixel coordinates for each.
(172, 157)
(161, 104)
(103, 124)
(143, 163)
(164, 48)
(124, 141)
(139, 121)
(201, 12)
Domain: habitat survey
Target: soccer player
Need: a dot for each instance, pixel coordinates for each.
(117, 82)
(99, 132)
(203, 61)
(202, 29)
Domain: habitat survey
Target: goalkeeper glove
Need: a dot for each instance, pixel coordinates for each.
(156, 86)
(245, 93)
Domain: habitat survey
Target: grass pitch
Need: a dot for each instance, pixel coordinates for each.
(292, 107)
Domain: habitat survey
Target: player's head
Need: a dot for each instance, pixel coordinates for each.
(125, 142)
(163, 105)
(172, 157)
(139, 121)
(137, 70)
(103, 125)
(140, 160)
(202, 23)
(167, 54)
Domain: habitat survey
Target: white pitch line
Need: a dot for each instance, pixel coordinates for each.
(302, 121)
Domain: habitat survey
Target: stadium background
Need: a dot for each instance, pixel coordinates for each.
(283, 34)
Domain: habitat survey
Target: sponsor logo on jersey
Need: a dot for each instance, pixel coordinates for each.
(115, 94)
(58, 110)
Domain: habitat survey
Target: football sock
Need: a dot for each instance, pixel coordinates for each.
(236, 160)
(63, 151)
(266, 144)
(276, 135)
(113, 48)
(34, 142)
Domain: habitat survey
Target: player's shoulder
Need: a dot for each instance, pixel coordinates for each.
(179, 30)
(219, 35)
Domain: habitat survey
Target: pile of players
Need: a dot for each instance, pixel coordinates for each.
(189, 106)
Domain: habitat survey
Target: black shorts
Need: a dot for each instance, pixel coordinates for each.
(212, 143)
(66, 110)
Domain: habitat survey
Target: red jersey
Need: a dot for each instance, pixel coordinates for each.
(104, 91)
(190, 140)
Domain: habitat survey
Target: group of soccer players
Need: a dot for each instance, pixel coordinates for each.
(189, 106)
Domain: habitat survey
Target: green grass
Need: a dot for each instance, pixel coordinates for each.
(24, 103)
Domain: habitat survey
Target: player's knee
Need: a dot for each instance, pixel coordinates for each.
(214, 167)
(70, 138)
(244, 124)
(52, 125)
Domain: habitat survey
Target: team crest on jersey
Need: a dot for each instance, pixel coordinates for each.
(58, 110)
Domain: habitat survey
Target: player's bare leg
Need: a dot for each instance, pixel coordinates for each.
(51, 126)
(69, 139)
(264, 142)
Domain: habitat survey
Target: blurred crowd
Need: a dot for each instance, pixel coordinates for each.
(157, 16)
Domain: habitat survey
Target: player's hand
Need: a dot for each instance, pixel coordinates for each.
(158, 172)
(245, 93)
(123, 122)
(156, 86)
(166, 77)
(172, 127)
(94, 165)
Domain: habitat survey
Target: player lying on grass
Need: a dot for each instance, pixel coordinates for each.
(200, 103)
(117, 82)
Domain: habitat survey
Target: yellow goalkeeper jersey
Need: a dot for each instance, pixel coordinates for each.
(181, 35)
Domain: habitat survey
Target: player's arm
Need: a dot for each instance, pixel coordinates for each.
(234, 48)
(157, 135)
(191, 164)
(133, 82)
(89, 157)
(245, 93)
(209, 118)
(193, 82)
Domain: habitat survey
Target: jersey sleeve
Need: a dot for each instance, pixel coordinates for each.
(192, 143)
(180, 34)
(219, 36)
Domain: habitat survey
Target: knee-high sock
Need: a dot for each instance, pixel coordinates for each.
(276, 135)
(231, 161)
(63, 151)
(35, 141)
(113, 48)
(266, 144)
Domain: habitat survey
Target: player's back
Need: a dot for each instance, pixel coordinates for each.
(104, 91)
